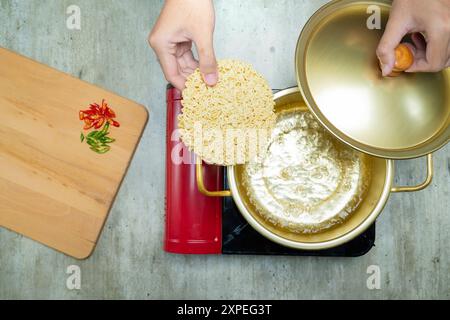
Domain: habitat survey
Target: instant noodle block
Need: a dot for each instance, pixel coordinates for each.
(229, 123)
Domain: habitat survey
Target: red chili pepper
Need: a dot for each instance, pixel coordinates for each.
(96, 116)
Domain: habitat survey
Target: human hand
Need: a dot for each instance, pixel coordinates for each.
(416, 17)
(181, 23)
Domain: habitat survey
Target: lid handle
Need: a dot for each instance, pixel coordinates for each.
(404, 59)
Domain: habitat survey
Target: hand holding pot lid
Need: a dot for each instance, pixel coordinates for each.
(429, 26)
(339, 77)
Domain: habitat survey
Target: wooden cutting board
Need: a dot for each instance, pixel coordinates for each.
(53, 187)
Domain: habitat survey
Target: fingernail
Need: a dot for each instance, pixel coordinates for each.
(211, 79)
(385, 69)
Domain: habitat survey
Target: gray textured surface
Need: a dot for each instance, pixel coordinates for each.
(413, 235)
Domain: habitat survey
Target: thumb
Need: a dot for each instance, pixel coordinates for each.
(207, 60)
(395, 31)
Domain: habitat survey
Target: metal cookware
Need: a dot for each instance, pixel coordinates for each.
(340, 83)
(381, 186)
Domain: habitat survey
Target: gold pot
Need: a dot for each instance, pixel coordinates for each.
(380, 188)
(340, 83)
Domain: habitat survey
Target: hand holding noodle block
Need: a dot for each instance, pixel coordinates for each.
(229, 123)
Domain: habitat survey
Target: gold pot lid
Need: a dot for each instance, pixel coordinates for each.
(338, 74)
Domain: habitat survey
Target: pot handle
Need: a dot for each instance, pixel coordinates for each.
(426, 183)
(201, 184)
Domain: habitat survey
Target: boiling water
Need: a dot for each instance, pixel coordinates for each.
(307, 181)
